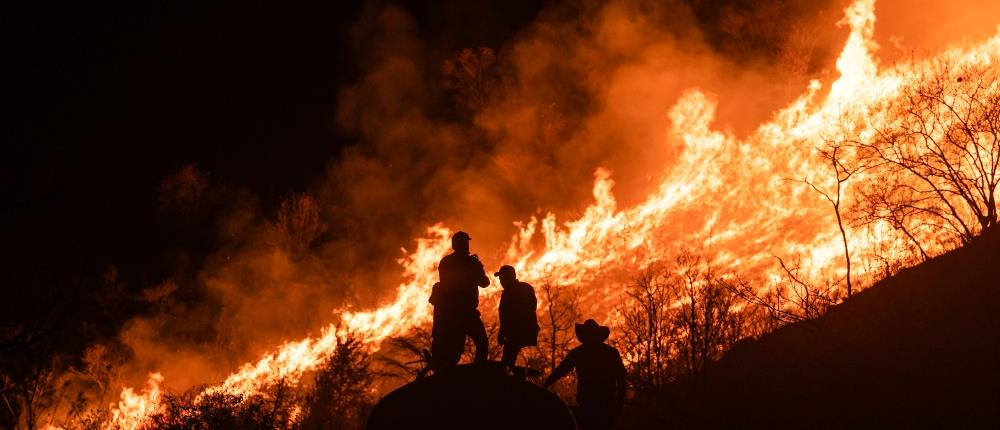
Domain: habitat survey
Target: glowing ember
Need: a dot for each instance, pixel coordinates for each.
(724, 196)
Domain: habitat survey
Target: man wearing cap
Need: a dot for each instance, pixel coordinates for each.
(600, 374)
(456, 299)
(518, 322)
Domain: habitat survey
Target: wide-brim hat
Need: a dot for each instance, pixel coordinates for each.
(590, 331)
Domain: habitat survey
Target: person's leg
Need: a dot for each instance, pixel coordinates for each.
(447, 344)
(455, 349)
(510, 352)
(477, 331)
(439, 353)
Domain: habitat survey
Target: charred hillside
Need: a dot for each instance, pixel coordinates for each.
(919, 349)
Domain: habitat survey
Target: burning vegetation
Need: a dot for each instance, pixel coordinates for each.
(875, 169)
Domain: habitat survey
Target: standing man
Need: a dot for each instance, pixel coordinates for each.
(600, 377)
(518, 322)
(456, 299)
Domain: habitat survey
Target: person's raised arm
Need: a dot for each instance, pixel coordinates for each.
(483, 281)
(562, 369)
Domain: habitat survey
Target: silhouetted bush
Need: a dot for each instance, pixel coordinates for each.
(342, 393)
(219, 411)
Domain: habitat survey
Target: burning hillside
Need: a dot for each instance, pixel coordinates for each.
(742, 201)
(856, 174)
(915, 350)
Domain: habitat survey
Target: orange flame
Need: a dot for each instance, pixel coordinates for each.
(133, 409)
(410, 308)
(703, 199)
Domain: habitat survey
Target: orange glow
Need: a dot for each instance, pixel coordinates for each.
(134, 408)
(725, 196)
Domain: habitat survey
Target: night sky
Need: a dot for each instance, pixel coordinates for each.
(105, 100)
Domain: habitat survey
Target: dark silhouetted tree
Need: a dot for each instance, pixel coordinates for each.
(677, 318)
(833, 154)
(471, 76)
(297, 223)
(936, 156)
(646, 324)
(789, 300)
(707, 320)
(560, 310)
(342, 392)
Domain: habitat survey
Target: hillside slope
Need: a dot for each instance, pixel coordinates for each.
(919, 349)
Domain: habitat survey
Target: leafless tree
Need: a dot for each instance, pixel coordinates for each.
(678, 318)
(560, 312)
(470, 75)
(936, 154)
(881, 201)
(808, 299)
(774, 302)
(297, 223)
(792, 299)
(833, 154)
(30, 358)
(707, 321)
(645, 327)
(886, 258)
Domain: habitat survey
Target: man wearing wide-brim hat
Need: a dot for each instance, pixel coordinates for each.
(600, 374)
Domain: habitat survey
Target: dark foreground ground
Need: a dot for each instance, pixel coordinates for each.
(471, 397)
(918, 350)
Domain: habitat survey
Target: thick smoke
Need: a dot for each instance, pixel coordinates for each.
(493, 136)
(909, 29)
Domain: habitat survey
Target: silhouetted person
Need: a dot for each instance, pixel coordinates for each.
(518, 322)
(600, 374)
(456, 299)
